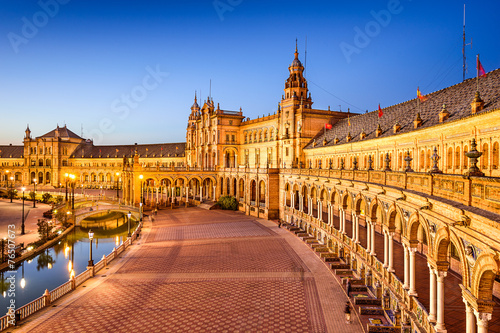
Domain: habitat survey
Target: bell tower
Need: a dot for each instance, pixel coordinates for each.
(292, 109)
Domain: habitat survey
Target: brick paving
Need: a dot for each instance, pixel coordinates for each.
(206, 271)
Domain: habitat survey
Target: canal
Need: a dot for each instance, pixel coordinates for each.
(54, 266)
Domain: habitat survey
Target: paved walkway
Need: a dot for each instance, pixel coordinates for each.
(11, 213)
(205, 271)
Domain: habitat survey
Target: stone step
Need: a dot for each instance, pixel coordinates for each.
(339, 266)
(329, 255)
(291, 228)
(367, 301)
(321, 249)
(302, 234)
(343, 272)
(371, 310)
(358, 288)
(208, 205)
(331, 259)
(383, 329)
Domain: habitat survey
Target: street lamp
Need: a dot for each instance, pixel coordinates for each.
(91, 236)
(66, 180)
(7, 178)
(117, 186)
(72, 178)
(22, 223)
(129, 214)
(140, 204)
(11, 188)
(34, 191)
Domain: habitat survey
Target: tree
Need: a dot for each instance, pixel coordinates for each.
(58, 199)
(46, 197)
(11, 193)
(43, 229)
(228, 202)
(32, 195)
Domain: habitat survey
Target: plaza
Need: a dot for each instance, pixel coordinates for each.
(207, 271)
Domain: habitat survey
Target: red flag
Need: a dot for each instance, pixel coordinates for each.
(480, 68)
(328, 126)
(420, 96)
(380, 112)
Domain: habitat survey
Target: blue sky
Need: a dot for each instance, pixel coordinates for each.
(126, 71)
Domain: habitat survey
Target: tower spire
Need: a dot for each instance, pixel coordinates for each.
(296, 49)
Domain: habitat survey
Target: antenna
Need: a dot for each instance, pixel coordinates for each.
(305, 60)
(464, 66)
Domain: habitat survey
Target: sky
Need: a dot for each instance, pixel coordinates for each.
(124, 72)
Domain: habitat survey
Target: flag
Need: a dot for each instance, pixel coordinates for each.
(420, 96)
(380, 112)
(480, 68)
(328, 126)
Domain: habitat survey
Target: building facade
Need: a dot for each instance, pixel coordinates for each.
(414, 185)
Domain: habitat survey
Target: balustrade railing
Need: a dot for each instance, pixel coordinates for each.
(49, 297)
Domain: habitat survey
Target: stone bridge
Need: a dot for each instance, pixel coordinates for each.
(99, 207)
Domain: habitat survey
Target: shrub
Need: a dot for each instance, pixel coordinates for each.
(46, 197)
(228, 202)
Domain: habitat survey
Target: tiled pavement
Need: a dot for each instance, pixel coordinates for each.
(206, 271)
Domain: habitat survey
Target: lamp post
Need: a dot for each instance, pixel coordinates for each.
(34, 191)
(66, 180)
(11, 188)
(129, 214)
(91, 236)
(140, 205)
(72, 184)
(7, 178)
(117, 186)
(22, 221)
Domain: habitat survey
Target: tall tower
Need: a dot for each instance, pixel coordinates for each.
(293, 104)
(191, 133)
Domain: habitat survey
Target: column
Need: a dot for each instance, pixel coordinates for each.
(470, 318)
(440, 302)
(353, 223)
(386, 250)
(432, 294)
(301, 204)
(482, 321)
(412, 290)
(284, 198)
(201, 194)
(368, 235)
(187, 194)
(357, 227)
(214, 191)
(329, 209)
(391, 251)
(406, 257)
(292, 200)
(320, 210)
(372, 238)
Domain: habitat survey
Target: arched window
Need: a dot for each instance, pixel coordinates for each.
(486, 152)
(40, 162)
(495, 155)
(449, 158)
(422, 160)
(457, 158)
(466, 159)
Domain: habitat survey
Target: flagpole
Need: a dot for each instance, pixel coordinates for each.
(477, 72)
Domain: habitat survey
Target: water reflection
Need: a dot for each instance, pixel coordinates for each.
(56, 265)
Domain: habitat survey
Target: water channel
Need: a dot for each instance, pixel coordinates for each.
(53, 267)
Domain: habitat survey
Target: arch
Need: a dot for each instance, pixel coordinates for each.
(242, 188)
(441, 243)
(262, 192)
(457, 157)
(359, 204)
(484, 157)
(485, 270)
(495, 155)
(47, 177)
(414, 222)
(253, 190)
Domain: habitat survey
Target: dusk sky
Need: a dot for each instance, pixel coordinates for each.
(127, 71)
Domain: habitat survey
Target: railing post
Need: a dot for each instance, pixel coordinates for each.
(46, 295)
(73, 282)
(105, 260)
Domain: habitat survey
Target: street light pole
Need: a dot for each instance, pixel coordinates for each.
(91, 236)
(22, 223)
(34, 191)
(66, 180)
(117, 186)
(11, 188)
(129, 214)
